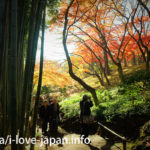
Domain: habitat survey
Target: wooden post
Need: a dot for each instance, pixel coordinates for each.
(124, 145)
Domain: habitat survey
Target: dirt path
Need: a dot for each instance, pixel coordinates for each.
(97, 143)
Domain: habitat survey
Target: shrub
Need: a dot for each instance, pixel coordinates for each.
(121, 101)
(144, 137)
(138, 76)
(145, 130)
(46, 89)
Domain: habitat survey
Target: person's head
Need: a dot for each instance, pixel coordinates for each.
(49, 99)
(54, 100)
(85, 97)
(45, 103)
(89, 97)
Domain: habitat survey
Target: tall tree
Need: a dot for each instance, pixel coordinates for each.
(79, 80)
(103, 31)
(13, 71)
(40, 79)
(138, 28)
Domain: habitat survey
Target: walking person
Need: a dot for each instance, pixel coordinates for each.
(44, 112)
(85, 115)
(54, 115)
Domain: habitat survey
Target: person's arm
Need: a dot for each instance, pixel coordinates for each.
(58, 108)
(40, 112)
(50, 110)
(90, 103)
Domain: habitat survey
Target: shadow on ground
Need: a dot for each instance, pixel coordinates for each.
(93, 147)
(108, 145)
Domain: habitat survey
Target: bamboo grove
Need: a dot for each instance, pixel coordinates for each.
(20, 24)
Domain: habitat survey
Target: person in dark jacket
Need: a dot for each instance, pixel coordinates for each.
(54, 115)
(85, 112)
(44, 113)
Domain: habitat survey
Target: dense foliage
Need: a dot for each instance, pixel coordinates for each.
(121, 101)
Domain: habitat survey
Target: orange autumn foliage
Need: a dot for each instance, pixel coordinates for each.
(52, 75)
(86, 19)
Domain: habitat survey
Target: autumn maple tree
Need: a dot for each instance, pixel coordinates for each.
(105, 33)
(138, 28)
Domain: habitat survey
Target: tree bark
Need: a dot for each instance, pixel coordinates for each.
(125, 62)
(107, 69)
(134, 59)
(120, 72)
(147, 66)
(100, 79)
(104, 72)
(148, 61)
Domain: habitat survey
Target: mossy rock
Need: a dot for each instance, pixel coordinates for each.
(144, 137)
(145, 130)
(140, 144)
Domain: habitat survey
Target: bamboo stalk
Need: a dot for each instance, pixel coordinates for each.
(13, 72)
(39, 82)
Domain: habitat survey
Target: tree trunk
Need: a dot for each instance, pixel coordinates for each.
(134, 59)
(4, 72)
(147, 65)
(104, 72)
(107, 80)
(23, 8)
(37, 29)
(13, 72)
(125, 62)
(139, 59)
(148, 61)
(100, 80)
(2, 14)
(27, 72)
(120, 72)
(80, 81)
(76, 78)
(107, 69)
(39, 83)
